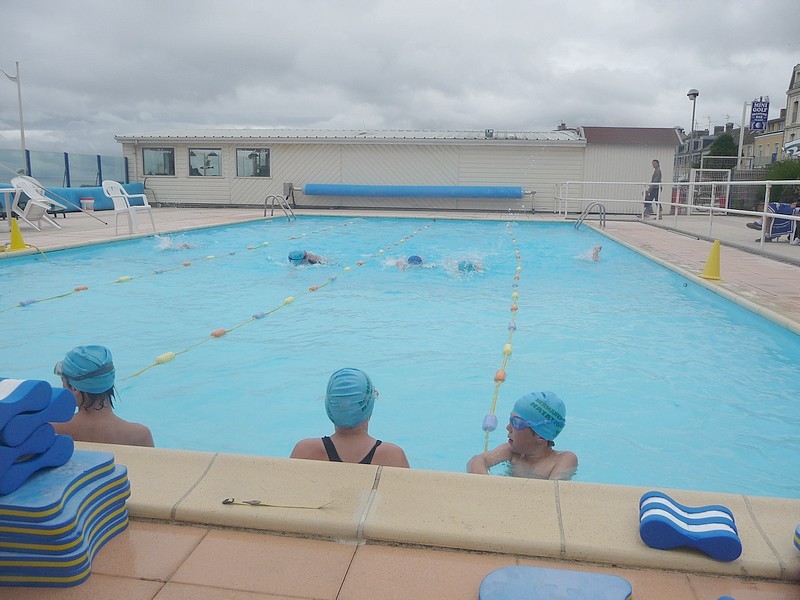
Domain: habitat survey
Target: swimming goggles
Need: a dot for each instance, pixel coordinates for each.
(519, 423)
(106, 368)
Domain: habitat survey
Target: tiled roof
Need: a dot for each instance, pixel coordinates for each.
(652, 136)
(353, 134)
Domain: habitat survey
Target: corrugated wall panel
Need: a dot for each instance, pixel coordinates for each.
(613, 162)
(387, 164)
(536, 168)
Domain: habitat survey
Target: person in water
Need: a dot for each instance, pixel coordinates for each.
(469, 266)
(301, 257)
(535, 422)
(411, 261)
(596, 253)
(349, 401)
(88, 372)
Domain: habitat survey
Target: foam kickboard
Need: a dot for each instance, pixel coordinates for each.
(81, 507)
(46, 492)
(22, 395)
(40, 440)
(69, 571)
(537, 583)
(55, 456)
(60, 409)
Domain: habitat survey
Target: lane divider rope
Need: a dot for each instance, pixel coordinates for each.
(490, 420)
(221, 332)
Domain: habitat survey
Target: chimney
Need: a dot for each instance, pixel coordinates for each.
(718, 129)
(562, 126)
(728, 127)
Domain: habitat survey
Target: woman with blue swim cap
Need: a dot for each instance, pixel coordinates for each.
(349, 401)
(88, 372)
(535, 422)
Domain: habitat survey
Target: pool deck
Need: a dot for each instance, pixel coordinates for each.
(327, 530)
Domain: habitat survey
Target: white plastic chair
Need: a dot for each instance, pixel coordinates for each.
(38, 204)
(122, 205)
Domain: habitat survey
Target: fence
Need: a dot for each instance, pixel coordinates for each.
(64, 169)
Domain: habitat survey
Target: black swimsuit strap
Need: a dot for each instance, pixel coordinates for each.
(367, 460)
(333, 455)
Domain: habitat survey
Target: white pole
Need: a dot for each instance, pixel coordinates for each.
(741, 134)
(21, 122)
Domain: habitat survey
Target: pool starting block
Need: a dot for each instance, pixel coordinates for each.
(666, 524)
(534, 583)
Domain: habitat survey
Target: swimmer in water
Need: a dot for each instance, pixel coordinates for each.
(596, 253)
(468, 266)
(535, 422)
(301, 257)
(411, 261)
(168, 244)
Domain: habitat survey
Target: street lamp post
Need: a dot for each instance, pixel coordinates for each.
(15, 79)
(692, 94)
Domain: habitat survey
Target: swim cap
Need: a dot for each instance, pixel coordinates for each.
(544, 411)
(88, 369)
(297, 256)
(414, 260)
(350, 398)
(466, 266)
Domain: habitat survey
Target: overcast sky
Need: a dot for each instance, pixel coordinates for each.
(91, 69)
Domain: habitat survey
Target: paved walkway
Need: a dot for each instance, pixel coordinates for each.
(167, 561)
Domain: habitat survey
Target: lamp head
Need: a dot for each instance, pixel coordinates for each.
(693, 94)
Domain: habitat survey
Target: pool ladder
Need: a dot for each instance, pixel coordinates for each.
(601, 212)
(282, 202)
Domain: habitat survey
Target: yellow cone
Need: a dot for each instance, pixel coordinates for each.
(712, 264)
(17, 243)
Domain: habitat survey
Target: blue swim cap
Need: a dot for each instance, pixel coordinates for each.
(297, 256)
(350, 398)
(88, 369)
(544, 412)
(466, 266)
(414, 260)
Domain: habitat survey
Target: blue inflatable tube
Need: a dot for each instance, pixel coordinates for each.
(414, 191)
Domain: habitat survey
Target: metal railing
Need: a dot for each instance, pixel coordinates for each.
(601, 213)
(282, 203)
(690, 204)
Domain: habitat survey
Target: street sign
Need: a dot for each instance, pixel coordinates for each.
(759, 115)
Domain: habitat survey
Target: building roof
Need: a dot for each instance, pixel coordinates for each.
(650, 136)
(353, 134)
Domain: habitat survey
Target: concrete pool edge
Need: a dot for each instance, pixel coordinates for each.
(569, 521)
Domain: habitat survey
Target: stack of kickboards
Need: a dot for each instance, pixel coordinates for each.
(58, 506)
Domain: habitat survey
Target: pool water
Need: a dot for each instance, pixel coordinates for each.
(666, 384)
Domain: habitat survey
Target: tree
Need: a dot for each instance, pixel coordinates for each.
(784, 170)
(724, 145)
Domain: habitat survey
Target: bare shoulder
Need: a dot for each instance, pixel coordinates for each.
(390, 455)
(142, 435)
(311, 448)
(566, 466)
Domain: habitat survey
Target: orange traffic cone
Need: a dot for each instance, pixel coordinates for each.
(712, 264)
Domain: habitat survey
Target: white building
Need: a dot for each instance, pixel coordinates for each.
(244, 166)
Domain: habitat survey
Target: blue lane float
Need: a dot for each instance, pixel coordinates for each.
(413, 191)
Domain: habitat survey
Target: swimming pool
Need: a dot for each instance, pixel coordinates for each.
(665, 383)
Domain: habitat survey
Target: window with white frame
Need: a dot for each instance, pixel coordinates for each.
(158, 161)
(252, 162)
(205, 162)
